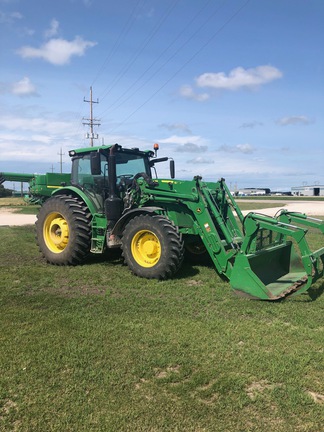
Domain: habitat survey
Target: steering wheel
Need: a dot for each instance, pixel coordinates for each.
(125, 180)
(126, 176)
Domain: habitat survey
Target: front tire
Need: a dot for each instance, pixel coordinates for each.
(152, 247)
(63, 230)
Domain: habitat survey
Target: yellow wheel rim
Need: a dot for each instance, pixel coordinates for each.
(56, 232)
(146, 248)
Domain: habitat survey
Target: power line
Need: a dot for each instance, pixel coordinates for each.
(148, 39)
(154, 62)
(128, 25)
(184, 65)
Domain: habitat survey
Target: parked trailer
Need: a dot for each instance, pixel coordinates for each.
(41, 186)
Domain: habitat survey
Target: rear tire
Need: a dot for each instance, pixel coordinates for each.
(196, 253)
(152, 247)
(63, 230)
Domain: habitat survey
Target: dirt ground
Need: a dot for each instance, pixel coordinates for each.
(9, 218)
(311, 208)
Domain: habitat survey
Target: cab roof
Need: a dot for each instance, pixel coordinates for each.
(104, 148)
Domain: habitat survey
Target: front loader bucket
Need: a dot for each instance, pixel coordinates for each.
(270, 274)
(275, 260)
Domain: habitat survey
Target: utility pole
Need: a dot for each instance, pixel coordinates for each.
(61, 160)
(91, 121)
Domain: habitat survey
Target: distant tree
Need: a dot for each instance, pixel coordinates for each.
(5, 192)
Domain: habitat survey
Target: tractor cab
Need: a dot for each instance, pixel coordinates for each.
(92, 172)
(110, 170)
(107, 174)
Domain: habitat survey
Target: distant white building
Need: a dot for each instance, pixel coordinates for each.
(312, 190)
(253, 191)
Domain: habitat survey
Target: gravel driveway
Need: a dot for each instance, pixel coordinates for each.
(9, 218)
(311, 208)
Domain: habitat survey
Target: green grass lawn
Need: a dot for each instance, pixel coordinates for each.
(248, 205)
(12, 201)
(93, 348)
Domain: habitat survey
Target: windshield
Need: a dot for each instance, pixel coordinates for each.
(128, 165)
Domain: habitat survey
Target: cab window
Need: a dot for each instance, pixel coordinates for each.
(128, 165)
(81, 174)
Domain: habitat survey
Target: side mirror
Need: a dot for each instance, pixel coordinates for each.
(95, 163)
(172, 169)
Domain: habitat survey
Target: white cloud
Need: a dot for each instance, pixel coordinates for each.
(35, 140)
(294, 120)
(245, 148)
(44, 139)
(57, 51)
(8, 18)
(285, 149)
(239, 148)
(145, 12)
(191, 148)
(200, 160)
(53, 30)
(38, 139)
(181, 140)
(239, 78)
(22, 151)
(24, 88)
(187, 92)
(251, 125)
(176, 126)
(28, 31)
(37, 125)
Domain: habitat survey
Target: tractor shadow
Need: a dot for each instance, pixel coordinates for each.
(186, 271)
(189, 269)
(113, 257)
(315, 293)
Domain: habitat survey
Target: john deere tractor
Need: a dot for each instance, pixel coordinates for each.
(113, 200)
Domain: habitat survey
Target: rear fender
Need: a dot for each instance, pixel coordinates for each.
(74, 191)
(123, 221)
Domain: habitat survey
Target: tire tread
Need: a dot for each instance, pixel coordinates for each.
(170, 262)
(80, 229)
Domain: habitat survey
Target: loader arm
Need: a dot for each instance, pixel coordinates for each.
(264, 258)
(301, 218)
(200, 209)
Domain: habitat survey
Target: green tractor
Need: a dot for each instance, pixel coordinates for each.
(114, 201)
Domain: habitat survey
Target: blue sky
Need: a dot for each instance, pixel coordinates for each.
(229, 88)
